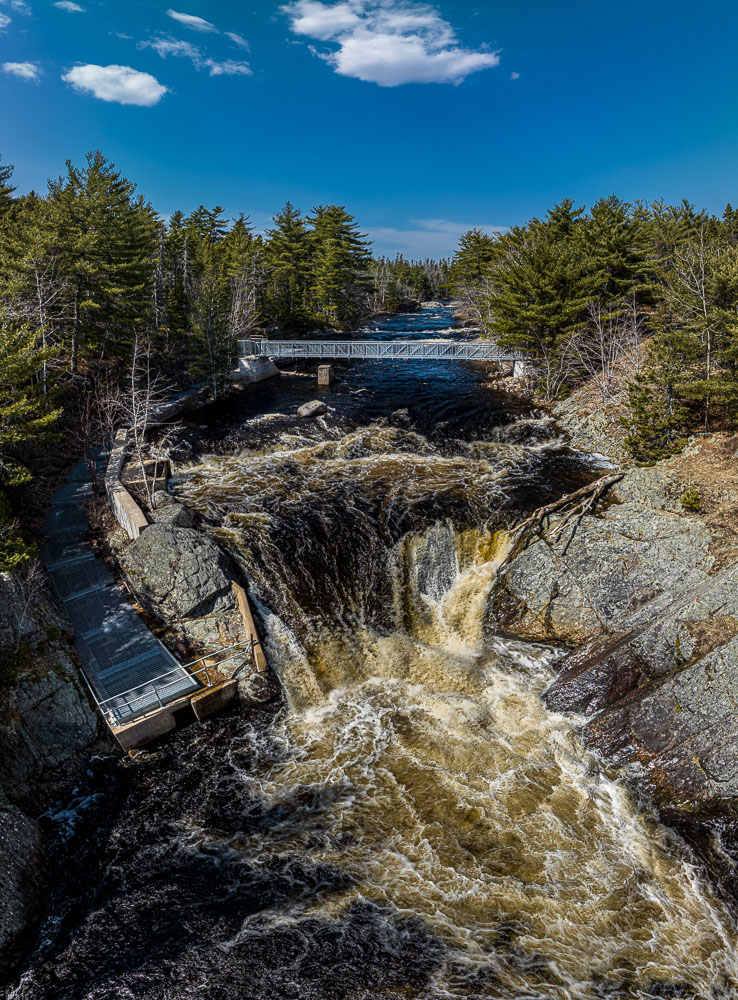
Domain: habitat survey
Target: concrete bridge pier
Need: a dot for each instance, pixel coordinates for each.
(519, 369)
(326, 374)
(254, 369)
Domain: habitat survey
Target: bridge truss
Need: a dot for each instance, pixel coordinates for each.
(379, 350)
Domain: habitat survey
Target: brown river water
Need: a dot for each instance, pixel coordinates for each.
(411, 822)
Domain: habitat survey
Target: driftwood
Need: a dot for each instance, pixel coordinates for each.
(583, 502)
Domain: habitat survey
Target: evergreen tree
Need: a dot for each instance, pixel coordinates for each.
(658, 414)
(563, 219)
(339, 266)
(6, 193)
(616, 248)
(288, 263)
(476, 251)
(106, 241)
(540, 291)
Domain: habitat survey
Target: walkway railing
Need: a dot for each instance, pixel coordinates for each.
(120, 709)
(401, 350)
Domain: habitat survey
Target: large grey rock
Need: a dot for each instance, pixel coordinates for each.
(640, 592)
(178, 573)
(609, 572)
(21, 872)
(173, 515)
(312, 409)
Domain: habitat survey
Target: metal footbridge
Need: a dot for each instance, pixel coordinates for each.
(380, 350)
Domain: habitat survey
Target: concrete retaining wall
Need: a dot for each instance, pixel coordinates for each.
(127, 512)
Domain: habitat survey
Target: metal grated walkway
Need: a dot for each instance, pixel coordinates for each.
(128, 670)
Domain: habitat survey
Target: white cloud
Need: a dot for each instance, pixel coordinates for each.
(237, 39)
(388, 42)
(434, 238)
(192, 21)
(23, 70)
(69, 7)
(228, 68)
(120, 84)
(515, 76)
(4, 21)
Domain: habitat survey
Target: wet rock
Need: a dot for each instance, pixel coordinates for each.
(312, 409)
(656, 675)
(178, 573)
(21, 871)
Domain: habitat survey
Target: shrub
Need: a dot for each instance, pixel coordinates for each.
(690, 499)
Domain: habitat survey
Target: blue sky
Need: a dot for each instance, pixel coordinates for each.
(423, 119)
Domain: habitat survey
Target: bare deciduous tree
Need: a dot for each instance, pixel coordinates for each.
(146, 393)
(608, 347)
(25, 585)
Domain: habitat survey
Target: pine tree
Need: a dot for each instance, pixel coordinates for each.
(106, 241)
(616, 248)
(339, 266)
(563, 219)
(288, 264)
(658, 413)
(6, 192)
(476, 251)
(541, 288)
(26, 416)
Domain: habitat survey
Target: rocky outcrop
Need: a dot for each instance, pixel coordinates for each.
(47, 726)
(21, 875)
(178, 573)
(46, 719)
(642, 593)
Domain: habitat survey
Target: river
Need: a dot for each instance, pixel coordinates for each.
(410, 822)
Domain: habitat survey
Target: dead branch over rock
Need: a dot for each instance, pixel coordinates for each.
(575, 505)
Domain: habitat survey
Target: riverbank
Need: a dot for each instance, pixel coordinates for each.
(413, 814)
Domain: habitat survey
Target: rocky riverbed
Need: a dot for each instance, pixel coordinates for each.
(421, 813)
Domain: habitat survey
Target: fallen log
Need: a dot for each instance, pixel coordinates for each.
(583, 501)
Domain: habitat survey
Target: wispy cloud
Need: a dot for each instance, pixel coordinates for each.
(30, 72)
(237, 39)
(177, 47)
(69, 7)
(173, 47)
(4, 21)
(229, 67)
(388, 42)
(515, 76)
(118, 84)
(191, 21)
(19, 6)
(425, 237)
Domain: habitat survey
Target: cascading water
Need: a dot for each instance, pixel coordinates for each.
(412, 822)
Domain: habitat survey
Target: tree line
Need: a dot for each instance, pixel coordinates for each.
(639, 300)
(95, 285)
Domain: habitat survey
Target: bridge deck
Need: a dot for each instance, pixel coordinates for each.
(380, 350)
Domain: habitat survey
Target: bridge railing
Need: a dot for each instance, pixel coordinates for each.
(420, 350)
